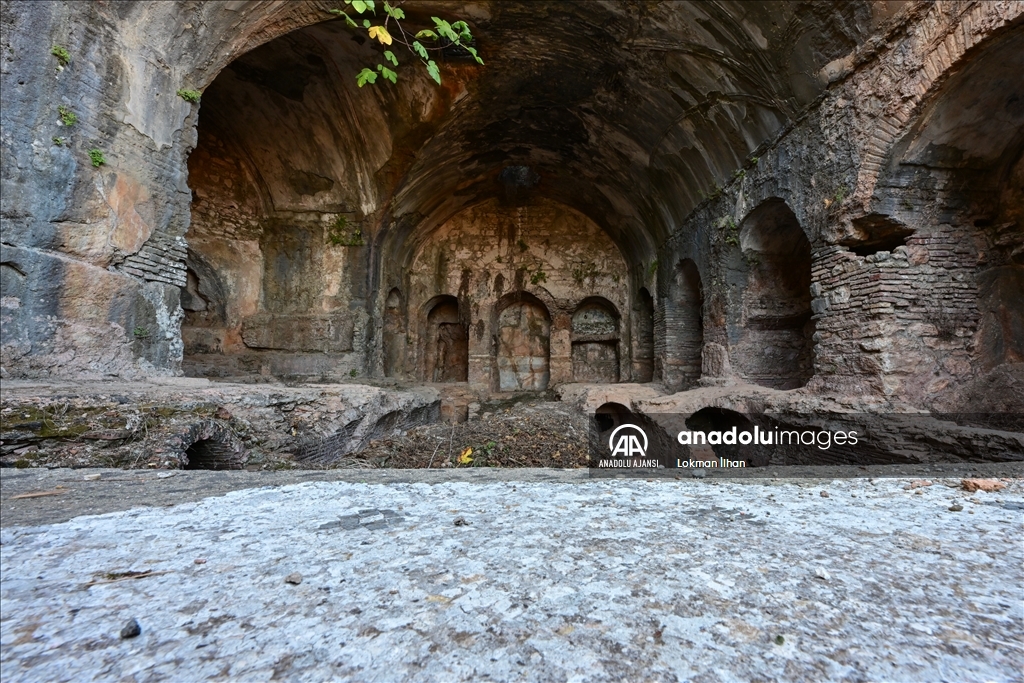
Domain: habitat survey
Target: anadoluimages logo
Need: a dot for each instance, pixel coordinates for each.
(627, 445)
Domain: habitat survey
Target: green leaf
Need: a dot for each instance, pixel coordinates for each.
(365, 76)
(389, 74)
(434, 72)
(359, 6)
(394, 12)
(472, 51)
(390, 56)
(348, 19)
(369, 3)
(445, 29)
(426, 33)
(420, 50)
(463, 29)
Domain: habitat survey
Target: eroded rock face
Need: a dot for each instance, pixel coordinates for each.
(796, 195)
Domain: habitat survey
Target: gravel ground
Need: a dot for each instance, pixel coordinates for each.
(515, 580)
(525, 434)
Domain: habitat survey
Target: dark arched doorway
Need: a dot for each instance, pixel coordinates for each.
(446, 352)
(774, 344)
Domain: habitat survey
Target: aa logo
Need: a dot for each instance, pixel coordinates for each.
(627, 443)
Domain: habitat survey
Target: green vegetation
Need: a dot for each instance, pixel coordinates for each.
(353, 372)
(732, 235)
(67, 117)
(189, 95)
(341, 234)
(140, 333)
(653, 268)
(716, 191)
(60, 142)
(97, 159)
(62, 55)
(585, 271)
(538, 277)
(840, 194)
(390, 31)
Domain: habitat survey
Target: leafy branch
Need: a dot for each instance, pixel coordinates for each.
(390, 32)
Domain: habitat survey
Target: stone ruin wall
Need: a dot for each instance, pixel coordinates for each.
(573, 278)
(177, 249)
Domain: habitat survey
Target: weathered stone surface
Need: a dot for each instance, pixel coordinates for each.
(824, 197)
(196, 424)
(751, 581)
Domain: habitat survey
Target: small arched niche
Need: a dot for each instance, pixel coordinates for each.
(643, 336)
(446, 352)
(394, 334)
(523, 354)
(684, 326)
(774, 343)
(595, 342)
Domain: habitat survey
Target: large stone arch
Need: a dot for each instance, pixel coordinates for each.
(940, 44)
(735, 77)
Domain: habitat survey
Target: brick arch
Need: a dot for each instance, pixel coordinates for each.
(940, 43)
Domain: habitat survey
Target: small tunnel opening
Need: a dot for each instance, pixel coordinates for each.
(211, 454)
(610, 415)
(876, 233)
(714, 419)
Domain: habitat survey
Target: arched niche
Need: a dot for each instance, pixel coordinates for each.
(684, 326)
(773, 344)
(446, 343)
(595, 342)
(523, 353)
(394, 334)
(965, 326)
(643, 337)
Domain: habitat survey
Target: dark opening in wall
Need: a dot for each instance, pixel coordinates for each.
(643, 336)
(212, 454)
(875, 233)
(608, 416)
(394, 334)
(447, 342)
(684, 327)
(774, 344)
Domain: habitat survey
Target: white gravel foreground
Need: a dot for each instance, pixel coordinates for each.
(598, 581)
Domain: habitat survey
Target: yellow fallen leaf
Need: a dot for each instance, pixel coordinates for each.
(381, 34)
(464, 458)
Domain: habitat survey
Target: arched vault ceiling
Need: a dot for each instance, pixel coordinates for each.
(628, 110)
